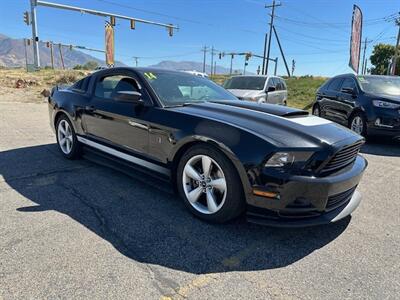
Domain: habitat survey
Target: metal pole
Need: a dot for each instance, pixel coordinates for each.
(270, 32)
(396, 52)
(100, 13)
(26, 55)
(215, 67)
(230, 69)
(365, 66)
(265, 50)
(52, 55)
(276, 65)
(35, 38)
(61, 56)
(212, 59)
(363, 59)
(280, 48)
(204, 58)
(244, 68)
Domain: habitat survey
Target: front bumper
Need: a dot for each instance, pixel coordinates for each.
(384, 122)
(307, 200)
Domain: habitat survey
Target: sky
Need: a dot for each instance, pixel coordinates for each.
(314, 33)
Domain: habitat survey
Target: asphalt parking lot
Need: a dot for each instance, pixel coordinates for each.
(74, 229)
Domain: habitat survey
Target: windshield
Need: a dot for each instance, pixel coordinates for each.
(380, 85)
(246, 83)
(174, 88)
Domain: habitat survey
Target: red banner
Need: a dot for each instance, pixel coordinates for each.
(355, 41)
(109, 29)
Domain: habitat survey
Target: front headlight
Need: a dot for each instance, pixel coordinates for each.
(287, 159)
(385, 104)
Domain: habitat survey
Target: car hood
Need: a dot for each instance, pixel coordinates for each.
(281, 126)
(246, 93)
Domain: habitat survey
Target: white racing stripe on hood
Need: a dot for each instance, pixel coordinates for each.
(309, 121)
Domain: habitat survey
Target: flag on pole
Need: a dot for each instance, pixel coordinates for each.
(109, 30)
(355, 40)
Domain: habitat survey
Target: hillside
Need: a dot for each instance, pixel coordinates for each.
(12, 54)
(192, 66)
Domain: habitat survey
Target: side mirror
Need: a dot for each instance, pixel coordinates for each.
(271, 89)
(129, 96)
(350, 91)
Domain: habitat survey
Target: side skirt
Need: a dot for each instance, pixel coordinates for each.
(125, 156)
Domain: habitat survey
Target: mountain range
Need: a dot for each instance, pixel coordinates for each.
(12, 54)
(192, 66)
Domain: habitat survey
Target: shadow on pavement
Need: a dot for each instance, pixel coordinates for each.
(147, 224)
(381, 146)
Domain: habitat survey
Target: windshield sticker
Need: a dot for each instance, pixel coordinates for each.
(150, 75)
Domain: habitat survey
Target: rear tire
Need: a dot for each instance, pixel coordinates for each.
(316, 111)
(66, 138)
(209, 184)
(358, 123)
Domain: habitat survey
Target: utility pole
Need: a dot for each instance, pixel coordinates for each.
(396, 52)
(364, 59)
(26, 55)
(230, 69)
(136, 60)
(52, 55)
(204, 50)
(215, 67)
(35, 38)
(271, 24)
(293, 66)
(265, 53)
(61, 56)
(280, 48)
(212, 60)
(276, 65)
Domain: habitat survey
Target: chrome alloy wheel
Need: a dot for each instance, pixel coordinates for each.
(65, 138)
(357, 125)
(204, 184)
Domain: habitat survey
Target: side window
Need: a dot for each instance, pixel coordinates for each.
(335, 84)
(271, 83)
(108, 86)
(349, 83)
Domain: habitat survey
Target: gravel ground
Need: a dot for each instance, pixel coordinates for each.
(73, 229)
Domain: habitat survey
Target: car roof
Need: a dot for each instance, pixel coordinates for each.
(261, 76)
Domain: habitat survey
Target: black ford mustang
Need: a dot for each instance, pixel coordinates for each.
(225, 156)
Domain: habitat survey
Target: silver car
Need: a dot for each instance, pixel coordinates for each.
(261, 89)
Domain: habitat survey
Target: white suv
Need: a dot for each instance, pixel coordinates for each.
(261, 89)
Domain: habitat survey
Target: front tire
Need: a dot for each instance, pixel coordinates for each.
(66, 138)
(209, 185)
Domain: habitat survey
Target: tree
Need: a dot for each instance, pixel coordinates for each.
(381, 57)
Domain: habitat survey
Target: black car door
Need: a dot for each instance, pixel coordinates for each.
(329, 98)
(118, 123)
(346, 99)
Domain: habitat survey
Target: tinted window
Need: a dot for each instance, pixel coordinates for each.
(271, 83)
(108, 87)
(81, 85)
(246, 83)
(335, 84)
(348, 83)
(176, 88)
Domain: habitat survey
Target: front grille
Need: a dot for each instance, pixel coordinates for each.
(338, 200)
(343, 157)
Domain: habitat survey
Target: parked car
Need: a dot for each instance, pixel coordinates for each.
(225, 156)
(261, 89)
(368, 104)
